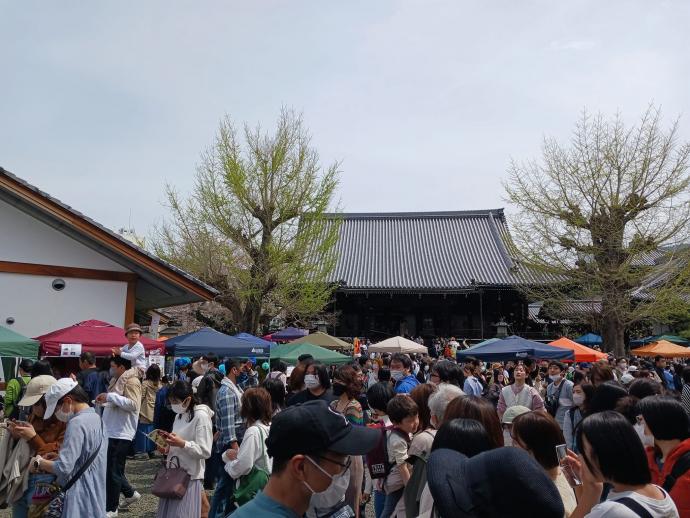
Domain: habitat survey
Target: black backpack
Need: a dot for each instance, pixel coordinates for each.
(681, 466)
(15, 411)
(377, 459)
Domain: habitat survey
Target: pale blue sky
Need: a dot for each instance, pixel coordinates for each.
(424, 102)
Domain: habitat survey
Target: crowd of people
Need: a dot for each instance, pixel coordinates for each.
(409, 435)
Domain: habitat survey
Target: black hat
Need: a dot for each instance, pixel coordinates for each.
(505, 482)
(26, 365)
(313, 427)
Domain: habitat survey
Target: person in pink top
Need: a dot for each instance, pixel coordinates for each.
(519, 393)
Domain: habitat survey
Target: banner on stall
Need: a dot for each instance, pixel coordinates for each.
(70, 350)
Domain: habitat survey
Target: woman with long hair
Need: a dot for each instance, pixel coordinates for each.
(149, 389)
(582, 395)
(190, 443)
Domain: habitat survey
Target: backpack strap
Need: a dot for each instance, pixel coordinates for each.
(681, 466)
(635, 506)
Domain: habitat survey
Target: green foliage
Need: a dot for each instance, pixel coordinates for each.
(590, 212)
(254, 225)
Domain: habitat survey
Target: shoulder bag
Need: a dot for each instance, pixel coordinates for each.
(56, 504)
(171, 481)
(254, 481)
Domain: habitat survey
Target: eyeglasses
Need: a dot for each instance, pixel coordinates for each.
(345, 466)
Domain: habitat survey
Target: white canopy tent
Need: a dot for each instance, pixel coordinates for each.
(398, 344)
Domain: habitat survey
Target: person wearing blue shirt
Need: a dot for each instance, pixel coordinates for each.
(472, 386)
(311, 447)
(401, 373)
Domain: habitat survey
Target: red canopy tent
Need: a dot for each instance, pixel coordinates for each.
(582, 353)
(94, 336)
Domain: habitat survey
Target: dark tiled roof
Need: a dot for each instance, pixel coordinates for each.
(120, 238)
(425, 251)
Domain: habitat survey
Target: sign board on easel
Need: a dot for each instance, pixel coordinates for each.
(70, 350)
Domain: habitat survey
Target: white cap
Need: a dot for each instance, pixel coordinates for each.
(57, 391)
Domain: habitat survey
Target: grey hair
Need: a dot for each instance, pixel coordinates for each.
(444, 394)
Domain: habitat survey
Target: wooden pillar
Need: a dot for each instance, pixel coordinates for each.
(130, 302)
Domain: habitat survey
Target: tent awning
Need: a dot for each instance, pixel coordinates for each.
(94, 336)
(589, 339)
(288, 334)
(398, 344)
(14, 345)
(289, 353)
(582, 353)
(208, 340)
(515, 348)
(662, 348)
(323, 340)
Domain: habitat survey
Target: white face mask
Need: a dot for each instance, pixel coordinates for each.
(578, 399)
(63, 416)
(397, 375)
(555, 377)
(647, 440)
(333, 494)
(507, 439)
(178, 408)
(312, 381)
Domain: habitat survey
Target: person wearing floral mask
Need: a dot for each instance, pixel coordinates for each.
(83, 438)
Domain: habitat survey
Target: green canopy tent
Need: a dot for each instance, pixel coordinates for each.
(13, 346)
(289, 353)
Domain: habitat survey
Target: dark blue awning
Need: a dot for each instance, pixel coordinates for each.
(515, 348)
(207, 340)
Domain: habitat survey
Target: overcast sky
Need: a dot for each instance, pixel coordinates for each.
(424, 102)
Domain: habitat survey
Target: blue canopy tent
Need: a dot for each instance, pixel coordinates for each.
(253, 339)
(589, 340)
(207, 340)
(288, 334)
(514, 348)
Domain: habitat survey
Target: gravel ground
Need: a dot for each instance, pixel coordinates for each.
(140, 473)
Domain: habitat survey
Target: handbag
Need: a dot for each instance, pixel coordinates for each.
(56, 504)
(170, 481)
(254, 481)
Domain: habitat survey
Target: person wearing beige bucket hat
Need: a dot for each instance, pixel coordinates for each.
(44, 438)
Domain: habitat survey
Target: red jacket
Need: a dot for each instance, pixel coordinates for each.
(681, 490)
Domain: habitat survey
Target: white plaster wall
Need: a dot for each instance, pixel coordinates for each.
(26, 239)
(37, 308)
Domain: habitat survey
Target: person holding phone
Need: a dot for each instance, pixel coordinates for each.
(190, 441)
(43, 437)
(612, 452)
(539, 434)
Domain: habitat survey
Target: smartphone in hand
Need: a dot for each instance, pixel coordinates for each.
(562, 454)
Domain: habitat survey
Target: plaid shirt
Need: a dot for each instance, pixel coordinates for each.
(227, 417)
(248, 380)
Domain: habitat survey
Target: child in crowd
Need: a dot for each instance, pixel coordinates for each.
(404, 415)
(133, 351)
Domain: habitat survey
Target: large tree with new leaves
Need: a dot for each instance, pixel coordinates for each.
(253, 227)
(595, 212)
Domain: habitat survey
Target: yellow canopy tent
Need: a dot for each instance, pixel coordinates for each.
(323, 340)
(662, 348)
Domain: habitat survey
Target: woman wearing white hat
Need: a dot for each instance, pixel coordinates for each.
(43, 437)
(81, 462)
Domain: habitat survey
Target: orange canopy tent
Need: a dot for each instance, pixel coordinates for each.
(662, 348)
(582, 353)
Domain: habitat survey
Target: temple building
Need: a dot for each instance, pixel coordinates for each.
(428, 274)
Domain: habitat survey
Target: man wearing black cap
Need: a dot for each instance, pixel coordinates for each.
(310, 445)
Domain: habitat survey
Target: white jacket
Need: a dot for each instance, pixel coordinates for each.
(252, 452)
(198, 436)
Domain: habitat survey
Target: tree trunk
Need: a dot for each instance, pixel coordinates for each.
(613, 334)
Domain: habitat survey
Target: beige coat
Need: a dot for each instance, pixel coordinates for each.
(149, 389)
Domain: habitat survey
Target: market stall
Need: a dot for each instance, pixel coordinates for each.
(515, 348)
